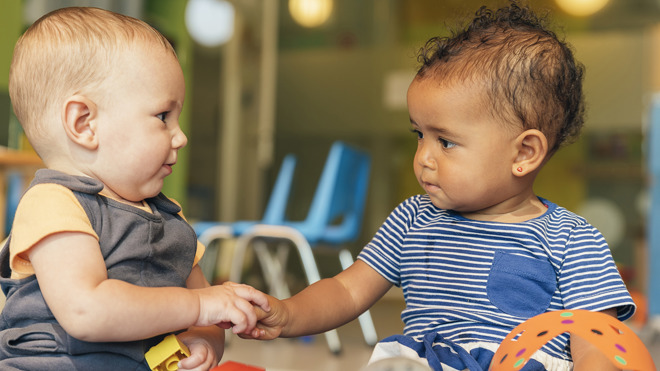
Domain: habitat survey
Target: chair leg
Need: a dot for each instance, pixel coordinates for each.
(241, 245)
(312, 273)
(236, 270)
(366, 322)
(210, 260)
(306, 256)
(274, 269)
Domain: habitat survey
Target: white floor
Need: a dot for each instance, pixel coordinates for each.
(299, 355)
(312, 353)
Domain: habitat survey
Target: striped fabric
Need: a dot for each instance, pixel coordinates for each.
(474, 281)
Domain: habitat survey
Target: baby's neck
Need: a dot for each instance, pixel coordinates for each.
(521, 213)
(140, 204)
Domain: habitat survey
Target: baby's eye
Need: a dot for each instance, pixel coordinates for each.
(446, 144)
(161, 116)
(418, 133)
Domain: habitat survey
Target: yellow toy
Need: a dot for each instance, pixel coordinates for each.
(166, 355)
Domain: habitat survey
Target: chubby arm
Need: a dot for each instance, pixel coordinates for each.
(91, 307)
(206, 344)
(324, 305)
(586, 356)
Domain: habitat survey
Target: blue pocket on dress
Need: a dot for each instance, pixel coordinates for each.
(520, 285)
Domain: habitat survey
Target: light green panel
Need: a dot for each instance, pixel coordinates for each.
(11, 26)
(11, 21)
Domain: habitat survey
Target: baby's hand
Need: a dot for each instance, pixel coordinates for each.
(269, 323)
(230, 305)
(202, 355)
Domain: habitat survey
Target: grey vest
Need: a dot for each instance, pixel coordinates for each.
(141, 248)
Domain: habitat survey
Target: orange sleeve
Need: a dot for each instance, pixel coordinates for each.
(44, 210)
(200, 253)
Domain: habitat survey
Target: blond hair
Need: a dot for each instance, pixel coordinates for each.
(69, 51)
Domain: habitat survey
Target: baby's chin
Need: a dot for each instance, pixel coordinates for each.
(445, 205)
(440, 203)
(138, 198)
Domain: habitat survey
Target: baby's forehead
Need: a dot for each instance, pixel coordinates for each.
(135, 55)
(489, 101)
(476, 86)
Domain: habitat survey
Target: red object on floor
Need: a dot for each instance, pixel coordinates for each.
(235, 366)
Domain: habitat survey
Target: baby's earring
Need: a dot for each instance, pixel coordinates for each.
(520, 169)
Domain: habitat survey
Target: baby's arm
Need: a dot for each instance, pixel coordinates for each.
(324, 305)
(586, 356)
(206, 344)
(91, 307)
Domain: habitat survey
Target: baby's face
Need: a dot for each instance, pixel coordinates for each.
(138, 123)
(464, 155)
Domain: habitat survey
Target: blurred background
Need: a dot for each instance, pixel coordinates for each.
(262, 83)
(266, 78)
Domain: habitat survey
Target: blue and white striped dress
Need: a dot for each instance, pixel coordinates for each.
(468, 283)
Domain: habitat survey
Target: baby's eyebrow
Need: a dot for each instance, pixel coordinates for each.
(434, 130)
(173, 104)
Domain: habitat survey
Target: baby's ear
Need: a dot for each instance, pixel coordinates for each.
(79, 119)
(532, 147)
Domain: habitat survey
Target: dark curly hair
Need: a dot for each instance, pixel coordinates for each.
(527, 71)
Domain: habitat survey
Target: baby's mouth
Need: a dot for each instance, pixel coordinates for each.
(430, 186)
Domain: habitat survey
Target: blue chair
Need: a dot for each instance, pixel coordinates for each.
(334, 218)
(211, 231)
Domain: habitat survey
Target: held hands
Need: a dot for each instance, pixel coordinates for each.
(270, 323)
(226, 306)
(231, 305)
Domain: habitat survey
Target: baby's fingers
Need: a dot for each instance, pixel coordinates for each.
(201, 357)
(242, 316)
(261, 314)
(190, 363)
(250, 294)
(256, 333)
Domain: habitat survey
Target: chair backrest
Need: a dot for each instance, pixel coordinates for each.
(279, 197)
(273, 214)
(336, 211)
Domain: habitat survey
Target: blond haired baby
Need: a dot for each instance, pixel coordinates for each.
(100, 265)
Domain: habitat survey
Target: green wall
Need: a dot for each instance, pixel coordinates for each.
(12, 26)
(11, 21)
